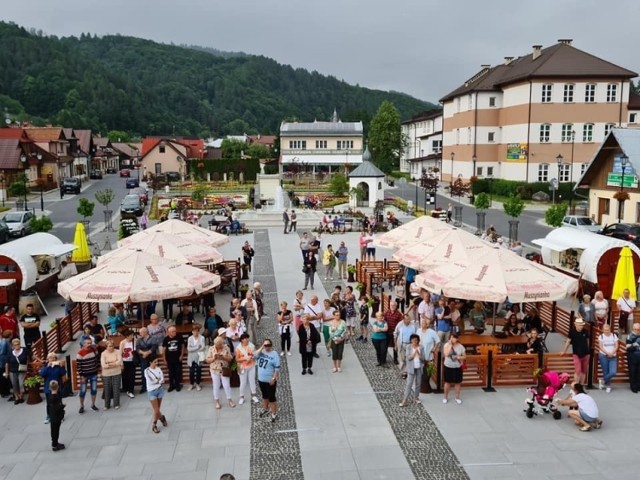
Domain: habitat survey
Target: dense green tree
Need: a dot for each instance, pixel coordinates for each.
(339, 185)
(555, 214)
(385, 137)
(513, 206)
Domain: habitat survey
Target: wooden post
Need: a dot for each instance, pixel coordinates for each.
(489, 388)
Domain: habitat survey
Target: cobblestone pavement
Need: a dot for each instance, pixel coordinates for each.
(275, 450)
(423, 445)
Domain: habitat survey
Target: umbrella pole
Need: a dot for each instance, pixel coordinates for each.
(494, 318)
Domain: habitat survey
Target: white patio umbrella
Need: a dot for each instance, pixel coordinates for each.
(169, 246)
(415, 231)
(451, 245)
(137, 277)
(192, 233)
(497, 275)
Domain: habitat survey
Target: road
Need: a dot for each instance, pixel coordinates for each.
(531, 221)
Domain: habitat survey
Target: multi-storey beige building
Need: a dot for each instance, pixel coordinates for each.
(536, 117)
(424, 143)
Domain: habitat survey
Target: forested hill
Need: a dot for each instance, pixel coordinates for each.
(147, 88)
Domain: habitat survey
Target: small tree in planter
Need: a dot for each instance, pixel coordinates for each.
(351, 271)
(482, 203)
(555, 214)
(85, 210)
(513, 206)
(429, 371)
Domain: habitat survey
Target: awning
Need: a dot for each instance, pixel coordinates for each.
(54, 250)
(556, 247)
(322, 159)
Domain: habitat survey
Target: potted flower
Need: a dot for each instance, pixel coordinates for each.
(351, 271)
(360, 288)
(429, 371)
(621, 196)
(234, 380)
(32, 384)
(244, 288)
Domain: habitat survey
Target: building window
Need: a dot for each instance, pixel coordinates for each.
(479, 171)
(470, 102)
(492, 101)
(344, 144)
(457, 136)
(590, 93)
(545, 132)
(563, 172)
(567, 132)
(468, 136)
(491, 136)
(583, 168)
(547, 89)
(612, 92)
(632, 117)
(298, 144)
(587, 132)
(436, 146)
(489, 171)
(162, 148)
(608, 127)
(321, 144)
(543, 172)
(568, 93)
(458, 105)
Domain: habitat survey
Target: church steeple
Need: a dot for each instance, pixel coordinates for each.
(334, 117)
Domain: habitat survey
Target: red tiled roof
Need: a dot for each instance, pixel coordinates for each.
(84, 140)
(10, 153)
(45, 134)
(266, 140)
(194, 146)
(634, 101)
(14, 133)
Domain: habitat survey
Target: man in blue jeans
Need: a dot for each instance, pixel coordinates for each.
(88, 363)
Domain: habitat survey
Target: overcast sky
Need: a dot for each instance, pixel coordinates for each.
(422, 47)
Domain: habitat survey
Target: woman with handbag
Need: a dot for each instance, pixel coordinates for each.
(195, 356)
(219, 359)
(298, 309)
(111, 362)
(285, 319)
(601, 306)
(337, 335)
(128, 352)
(454, 363)
(308, 338)
(16, 369)
(246, 367)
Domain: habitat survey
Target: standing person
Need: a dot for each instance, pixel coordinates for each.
(185, 316)
(88, 364)
(413, 370)
(294, 221)
(305, 245)
(145, 347)
(258, 296)
(96, 329)
(195, 356)
(402, 338)
(173, 349)
(393, 317)
(342, 255)
(9, 322)
(154, 378)
(626, 304)
(245, 358)
(454, 355)
(327, 315)
(586, 310)
(309, 269)
(298, 309)
(314, 311)
(399, 292)
(351, 314)
(362, 243)
(607, 356)
(316, 243)
(633, 357)
(251, 307)
(337, 335)
(308, 338)
(429, 340)
(219, 358)
(52, 371)
(111, 361)
(167, 308)
(144, 221)
(601, 306)
(579, 341)
(449, 213)
(444, 325)
(30, 323)
(212, 324)
(329, 262)
(5, 350)
(285, 319)
(285, 219)
(55, 407)
(363, 313)
(379, 329)
(247, 253)
(268, 374)
(371, 249)
(583, 409)
(16, 370)
(127, 350)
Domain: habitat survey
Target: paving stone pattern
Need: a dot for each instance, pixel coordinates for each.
(423, 445)
(275, 450)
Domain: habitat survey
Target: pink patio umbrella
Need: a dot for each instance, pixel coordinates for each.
(137, 277)
(415, 231)
(192, 233)
(172, 247)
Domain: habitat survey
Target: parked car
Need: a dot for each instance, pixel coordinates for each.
(111, 170)
(95, 174)
(172, 176)
(5, 233)
(132, 183)
(142, 193)
(132, 205)
(71, 185)
(581, 222)
(125, 172)
(623, 231)
(19, 223)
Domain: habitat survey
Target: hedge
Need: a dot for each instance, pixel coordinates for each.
(249, 167)
(504, 188)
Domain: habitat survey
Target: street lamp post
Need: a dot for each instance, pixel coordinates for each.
(474, 159)
(453, 156)
(3, 191)
(23, 159)
(573, 143)
(559, 159)
(624, 161)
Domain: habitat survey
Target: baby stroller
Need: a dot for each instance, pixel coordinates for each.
(543, 394)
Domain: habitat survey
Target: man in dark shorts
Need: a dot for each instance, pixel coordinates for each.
(268, 363)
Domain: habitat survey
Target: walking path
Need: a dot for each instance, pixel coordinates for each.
(338, 426)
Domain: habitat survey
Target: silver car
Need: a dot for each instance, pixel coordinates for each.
(19, 223)
(581, 222)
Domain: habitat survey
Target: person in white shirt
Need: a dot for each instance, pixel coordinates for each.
(626, 304)
(429, 340)
(587, 415)
(314, 310)
(608, 356)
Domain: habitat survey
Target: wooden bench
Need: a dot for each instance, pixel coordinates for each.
(348, 224)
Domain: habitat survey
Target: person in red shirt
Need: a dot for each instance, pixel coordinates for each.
(9, 321)
(393, 316)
